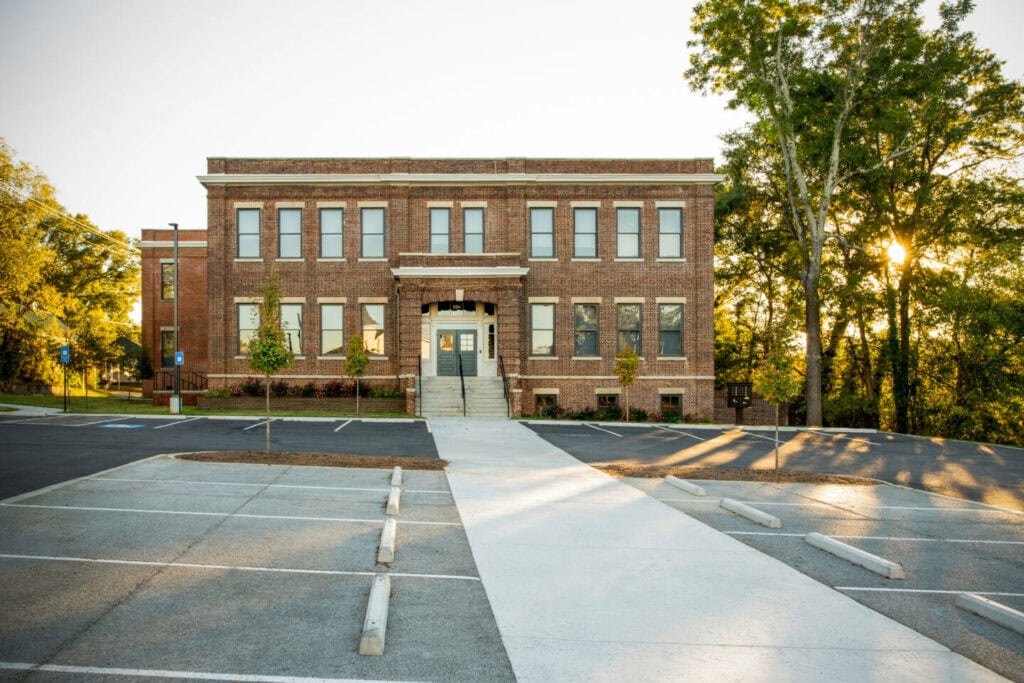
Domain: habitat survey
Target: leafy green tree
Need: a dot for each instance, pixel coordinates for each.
(268, 351)
(627, 367)
(778, 381)
(356, 361)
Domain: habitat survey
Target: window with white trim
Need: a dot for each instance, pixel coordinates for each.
(248, 222)
(628, 233)
(542, 232)
(291, 325)
(373, 232)
(332, 329)
(332, 223)
(542, 329)
(440, 220)
(586, 328)
(473, 231)
(670, 233)
(373, 328)
(248, 323)
(585, 233)
(289, 229)
(629, 318)
(670, 329)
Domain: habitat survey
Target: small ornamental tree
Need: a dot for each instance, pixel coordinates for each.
(627, 365)
(356, 361)
(268, 352)
(777, 380)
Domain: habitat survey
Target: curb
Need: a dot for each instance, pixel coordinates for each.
(394, 500)
(376, 623)
(873, 563)
(992, 610)
(754, 515)
(388, 538)
(685, 485)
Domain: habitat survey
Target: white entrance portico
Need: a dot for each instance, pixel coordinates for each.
(454, 331)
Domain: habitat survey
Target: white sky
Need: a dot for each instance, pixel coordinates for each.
(119, 102)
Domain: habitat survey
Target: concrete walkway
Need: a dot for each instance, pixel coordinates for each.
(591, 579)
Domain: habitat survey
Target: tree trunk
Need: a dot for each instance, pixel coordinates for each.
(776, 442)
(357, 395)
(901, 368)
(268, 415)
(813, 353)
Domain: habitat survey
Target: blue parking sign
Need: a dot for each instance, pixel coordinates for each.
(65, 354)
(179, 358)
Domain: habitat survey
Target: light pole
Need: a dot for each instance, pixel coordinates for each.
(176, 399)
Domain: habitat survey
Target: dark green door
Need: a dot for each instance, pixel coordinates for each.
(450, 345)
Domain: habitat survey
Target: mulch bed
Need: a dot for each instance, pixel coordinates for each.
(725, 474)
(317, 460)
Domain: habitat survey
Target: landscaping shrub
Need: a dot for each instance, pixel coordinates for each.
(386, 393)
(252, 386)
(608, 414)
(279, 388)
(218, 393)
(670, 415)
(638, 414)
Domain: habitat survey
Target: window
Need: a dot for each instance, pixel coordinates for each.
(439, 235)
(542, 233)
(543, 329)
(373, 328)
(607, 400)
(473, 231)
(331, 222)
(629, 327)
(291, 325)
(672, 403)
(670, 324)
(373, 233)
(544, 402)
(167, 349)
(585, 231)
(586, 330)
(332, 329)
(248, 322)
(248, 233)
(491, 341)
(670, 233)
(289, 227)
(628, 233)
(167, 281)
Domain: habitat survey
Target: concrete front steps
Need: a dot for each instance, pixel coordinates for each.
(442, 397)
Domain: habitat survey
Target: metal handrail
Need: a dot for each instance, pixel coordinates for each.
(190, 381)
(419, 386)
(504, 385)
(462, 381)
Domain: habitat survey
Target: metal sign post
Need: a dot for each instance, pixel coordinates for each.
(176, 400)
(65, 356)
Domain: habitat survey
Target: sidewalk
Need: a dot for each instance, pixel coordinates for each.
(28, 411)
(591, 579)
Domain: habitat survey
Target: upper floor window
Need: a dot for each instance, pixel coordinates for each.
(542, 330)
(629, 327)
(585, 233)
(670, 233)
(373, 233)
(628, 233)
(373, 329)
(331, 229)
(248, 323)
(439, 231)
(248, 221)
(670, 326)
(291, 325)
(586, 325)
(166, 281)
(473, 231)
(289, 226)
(542, 232)
(332, 329)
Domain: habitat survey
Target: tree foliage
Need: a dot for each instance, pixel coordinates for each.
(356, 361)
(268, 351)
(627, 367)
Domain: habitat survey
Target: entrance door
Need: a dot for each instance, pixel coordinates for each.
(450, 345)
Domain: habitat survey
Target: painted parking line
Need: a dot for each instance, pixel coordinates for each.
(98, 422)
(906, 539)
(258, 424)
(601, 429)
(839, 436)
(221, 567)
(165, 673)
(178, 422)
(678, 431)
(190, 482)
(343, 425)
(353, 520)
(926, 591)
(766, 438)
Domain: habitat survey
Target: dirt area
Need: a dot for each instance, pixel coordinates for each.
(317, 460)
(726, 474)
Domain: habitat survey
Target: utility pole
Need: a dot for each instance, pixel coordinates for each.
(176, 400)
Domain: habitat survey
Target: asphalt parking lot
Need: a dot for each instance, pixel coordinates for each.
(946, 546)
(41, 451)
(171, 568)
(974, 471)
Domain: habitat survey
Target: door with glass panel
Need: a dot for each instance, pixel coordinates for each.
(451, 344)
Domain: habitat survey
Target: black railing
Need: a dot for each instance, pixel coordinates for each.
(504, 385)
(462, 381)
(190, 381)
(419, 387)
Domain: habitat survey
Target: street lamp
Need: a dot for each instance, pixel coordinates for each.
(176, 399)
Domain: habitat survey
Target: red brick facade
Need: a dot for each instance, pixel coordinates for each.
(504, 281)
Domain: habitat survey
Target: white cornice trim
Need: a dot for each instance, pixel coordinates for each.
(156, 244)
(459, 178)
(458, 271)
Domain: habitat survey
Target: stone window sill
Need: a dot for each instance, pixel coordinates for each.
(248, 260)
(671, 357)
(543, 358)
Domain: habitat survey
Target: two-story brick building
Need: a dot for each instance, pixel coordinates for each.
(535, 271)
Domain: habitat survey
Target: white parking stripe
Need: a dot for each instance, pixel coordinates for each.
(98, 422)
(602, 430)
(243, 568)
(343, 425)
(766, 438)
(164, 673)
(882, 538)
(839, 436)
(383, 489)
(178, 422)
(219, 514)
(866, 589)
(845, 507)
(678, 431)
(258, 424)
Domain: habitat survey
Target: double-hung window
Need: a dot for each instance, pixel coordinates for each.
(167, 349)
(166, 281)
(670, 233)
(248, 222)
(332, 329)
(332, 233)
(473, 231)
(628, 233)
(542, 330)
(586, 325)
(670, 326)
(373, 233)
(289, 227)
(542, 232)
(291, 325)
(373, 328)
(248, 323)
(439, 231)
(629, 317)
(585, 233)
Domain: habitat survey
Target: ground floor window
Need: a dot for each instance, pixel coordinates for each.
(373, 328)
(607, 400)
(291, 325)
(248, 323)
(671, 402)
(167, 349)
(543, 330)
(544, 402)
(332, 329)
